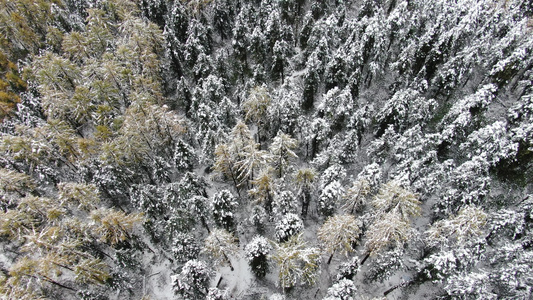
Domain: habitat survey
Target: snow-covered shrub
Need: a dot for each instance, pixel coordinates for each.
(223, 204)
(284, 203)
(384, 265)
(342, 290)
(333, 173)
(460, 120)
(184, 156)
(216, 294)
(289, 225)
(256, 254)
(468, 184)
(371, 173)
(193, 281)
(405, 108)
(348, 270)
(329, 197)
(258, 217)
(185, 247)
(493, 142)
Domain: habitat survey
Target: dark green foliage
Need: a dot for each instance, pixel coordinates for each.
(223, 205)
(185, 247)
(348, 270)
(136, 101)
(257, 252)
(193, 281)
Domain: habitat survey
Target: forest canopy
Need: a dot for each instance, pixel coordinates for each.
(273, 149)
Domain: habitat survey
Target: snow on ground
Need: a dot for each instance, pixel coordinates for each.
(236, 282)
(157, 283)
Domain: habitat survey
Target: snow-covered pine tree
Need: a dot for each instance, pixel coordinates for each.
(185, 247)
(289, 225)
(13, 185)
(216, 294)
(257, 252)
(240, 137)
(348, 270)
(223, 205)
(344, 289)
(184, 156)
(304, 178)
(198, 206)
(466, 225)
(329, 198)
(84, 196)
(193, 280)
(284, 203)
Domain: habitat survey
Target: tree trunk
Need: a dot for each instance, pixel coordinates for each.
(282, 74)
(314, 146)
(229, 261)
(205, 224)
(235, 181)
(330, 257)
(396, 286)
(305, 203)
(268, 203)
(280, 166)
(47, 279)
(365, 258)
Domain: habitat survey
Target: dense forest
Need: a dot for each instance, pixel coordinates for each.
(266, 149)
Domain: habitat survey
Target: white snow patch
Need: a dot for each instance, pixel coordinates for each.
(236, 282)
